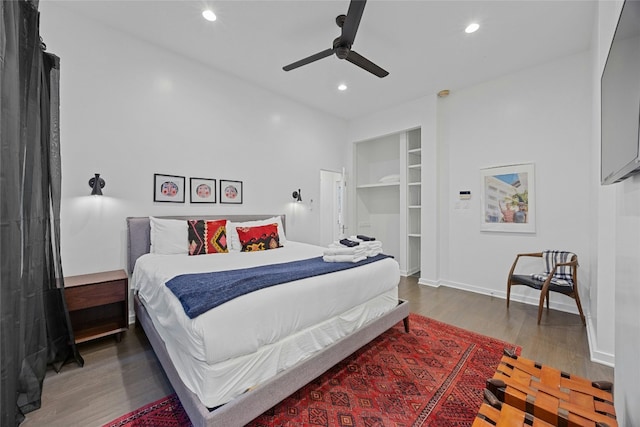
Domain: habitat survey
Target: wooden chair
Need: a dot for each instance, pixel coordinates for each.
(559, 277)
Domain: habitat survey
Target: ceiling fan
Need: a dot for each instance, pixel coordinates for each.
(342, 45)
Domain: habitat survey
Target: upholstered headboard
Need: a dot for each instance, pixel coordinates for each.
(139, 230)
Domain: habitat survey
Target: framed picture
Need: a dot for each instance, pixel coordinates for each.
(507, 199)
(168, 188)
(203, 190)
(230, 191)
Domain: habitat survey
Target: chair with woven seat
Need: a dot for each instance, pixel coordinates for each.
(560, 275)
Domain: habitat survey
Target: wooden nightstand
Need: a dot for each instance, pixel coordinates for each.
(98, 304)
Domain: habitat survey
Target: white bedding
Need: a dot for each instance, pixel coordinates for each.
(243, 325)
(272, 328)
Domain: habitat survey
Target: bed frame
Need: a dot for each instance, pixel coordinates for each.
(259, 399)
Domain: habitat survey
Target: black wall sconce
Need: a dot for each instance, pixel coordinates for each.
(297, 195)
(97, 184)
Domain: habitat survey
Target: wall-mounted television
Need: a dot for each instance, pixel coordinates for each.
(620, 103)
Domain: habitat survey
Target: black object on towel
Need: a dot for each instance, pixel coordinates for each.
(365, 238)
(349, 243)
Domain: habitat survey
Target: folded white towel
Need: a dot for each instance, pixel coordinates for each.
(390, 178)
(374, 252)
(343, 258)
(338, 245)
(372, 247)
(343, 250)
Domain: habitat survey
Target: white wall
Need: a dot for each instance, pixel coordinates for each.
(130, 109)
(619, 243)
(602, 331)
(541, 115)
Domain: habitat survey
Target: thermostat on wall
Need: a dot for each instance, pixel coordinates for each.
(465, 195)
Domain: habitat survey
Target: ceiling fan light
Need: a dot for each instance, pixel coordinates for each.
(472, 28)
(209, 15)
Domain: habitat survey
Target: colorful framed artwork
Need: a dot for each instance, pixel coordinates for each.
(507, 199)
(168, 188)
(230, 191)
(203, 190)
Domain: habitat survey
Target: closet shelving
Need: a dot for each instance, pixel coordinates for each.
(414, 200)
(380, 184)
(388, 182)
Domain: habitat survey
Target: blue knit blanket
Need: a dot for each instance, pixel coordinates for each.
(200, 292)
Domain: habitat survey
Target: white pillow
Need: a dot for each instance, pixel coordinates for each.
(233, 241)
(169, 236)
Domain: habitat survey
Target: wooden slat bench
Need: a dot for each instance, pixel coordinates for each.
(494, 413)
(551, 395)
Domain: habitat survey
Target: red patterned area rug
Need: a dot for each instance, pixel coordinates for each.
(432, 376)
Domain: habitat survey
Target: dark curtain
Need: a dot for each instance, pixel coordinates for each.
(34, 320)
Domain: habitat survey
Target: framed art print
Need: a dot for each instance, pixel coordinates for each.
(230, 191)
(203, 190)
(507, 199)
(168, 188)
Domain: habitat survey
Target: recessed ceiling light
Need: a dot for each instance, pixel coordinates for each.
(209, 15)
(342, 86)
(472, 28)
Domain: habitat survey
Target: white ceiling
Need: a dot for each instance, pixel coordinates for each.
(421, 43)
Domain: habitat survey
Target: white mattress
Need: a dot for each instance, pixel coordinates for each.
(224, 351)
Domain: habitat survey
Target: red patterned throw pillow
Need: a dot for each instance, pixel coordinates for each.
(259, 238)
(207, 237)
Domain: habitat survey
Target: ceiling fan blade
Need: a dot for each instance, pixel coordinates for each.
(364, 63)
(308, 59)
(352, 21)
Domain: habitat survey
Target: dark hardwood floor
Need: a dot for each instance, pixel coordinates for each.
(560, 340)
(120, 377)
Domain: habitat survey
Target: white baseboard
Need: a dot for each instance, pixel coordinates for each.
(531, 300)
(596, 355)
(422, 281)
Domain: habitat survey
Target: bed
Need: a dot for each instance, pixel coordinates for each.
(274, 340)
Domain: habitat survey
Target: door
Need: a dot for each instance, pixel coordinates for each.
(331, 206)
